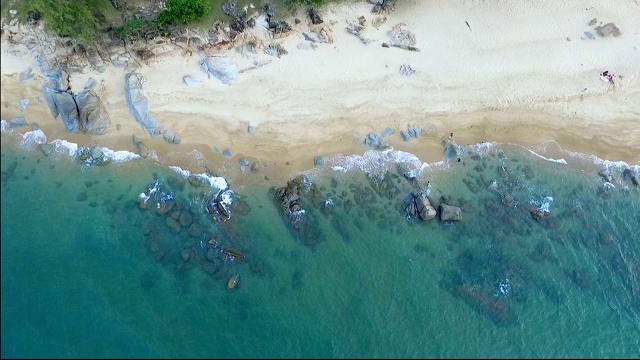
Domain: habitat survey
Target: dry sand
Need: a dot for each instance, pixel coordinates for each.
(520, 72)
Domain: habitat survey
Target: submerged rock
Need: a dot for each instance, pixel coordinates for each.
(450, 213)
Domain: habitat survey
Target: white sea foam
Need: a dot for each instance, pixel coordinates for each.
(559, 161)
(65, 147)
(31, 138)
(217, 182)
(543, 204)
(483, 149)
(226, 197)
(119, 155)
(375, 162)
(4, 126)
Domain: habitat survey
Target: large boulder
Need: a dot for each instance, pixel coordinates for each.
(94, 119)
(424, 208)
(450, 213)
(220, 67)
(608, 29)
(138, 103)
(68, 110)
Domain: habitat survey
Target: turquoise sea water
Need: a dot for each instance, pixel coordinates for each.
(87, 272)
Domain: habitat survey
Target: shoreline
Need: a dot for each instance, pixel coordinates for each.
(483, 83)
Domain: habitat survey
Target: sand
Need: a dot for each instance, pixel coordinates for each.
(517, 72)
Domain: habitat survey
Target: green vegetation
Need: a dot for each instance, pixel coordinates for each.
(306, 2)
(78, 19)
(184, 11)
(135, 28)
(85, 20)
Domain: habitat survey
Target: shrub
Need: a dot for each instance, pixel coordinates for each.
(183, 11)
(77, 19)
(133, 27)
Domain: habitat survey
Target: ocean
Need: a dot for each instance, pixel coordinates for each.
(136, 259)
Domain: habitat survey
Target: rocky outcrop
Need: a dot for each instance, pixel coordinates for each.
(608, 29)
(450, 213)
(628, 175)
(421, 207)
(93, 116)
(288, 200)
(139, 108)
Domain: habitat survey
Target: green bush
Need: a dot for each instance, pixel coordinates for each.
(134, 27)
(184, 11)
(78, 19)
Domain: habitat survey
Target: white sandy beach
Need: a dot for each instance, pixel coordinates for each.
(521, 72)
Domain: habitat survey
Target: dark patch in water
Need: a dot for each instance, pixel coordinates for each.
(148, 280)
(296, 280)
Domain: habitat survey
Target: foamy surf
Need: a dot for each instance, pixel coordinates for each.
(216, 182)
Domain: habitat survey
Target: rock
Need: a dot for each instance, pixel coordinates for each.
(96, 153)
(25, 75)
(424, 208)
(143, 150)
(164, 207)
(318, 160)
(415, 132)
(185, 255)
(185, 218)
(47, 148)
(379, 21)
(606, 175)
(220, 67)
(24, 103)
(450, 213)
(138, 103)
(195, 181)
(212, 254)
(227, 153)
(233, 281)
(405, 135)
(244, 164)
(315, 18)
(400, 35)
(233, 253)
(608, 29)
(173, 223)
(406, 70)
(195, 230)
(251, 129)
(17, 122)
(593, 21)
(589, 35)
(386, 132)
(190, 80)
(384, 7)
(537, 214)
(375, 140)
(627, 174)
(93, 117)
(209, 268)
(171, 137)
(91, 83)
(275, 49)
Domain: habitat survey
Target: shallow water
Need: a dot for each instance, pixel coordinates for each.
(87, 272)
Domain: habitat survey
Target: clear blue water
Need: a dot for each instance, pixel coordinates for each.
(87, 272)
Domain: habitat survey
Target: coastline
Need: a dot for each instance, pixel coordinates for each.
(483, 82)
